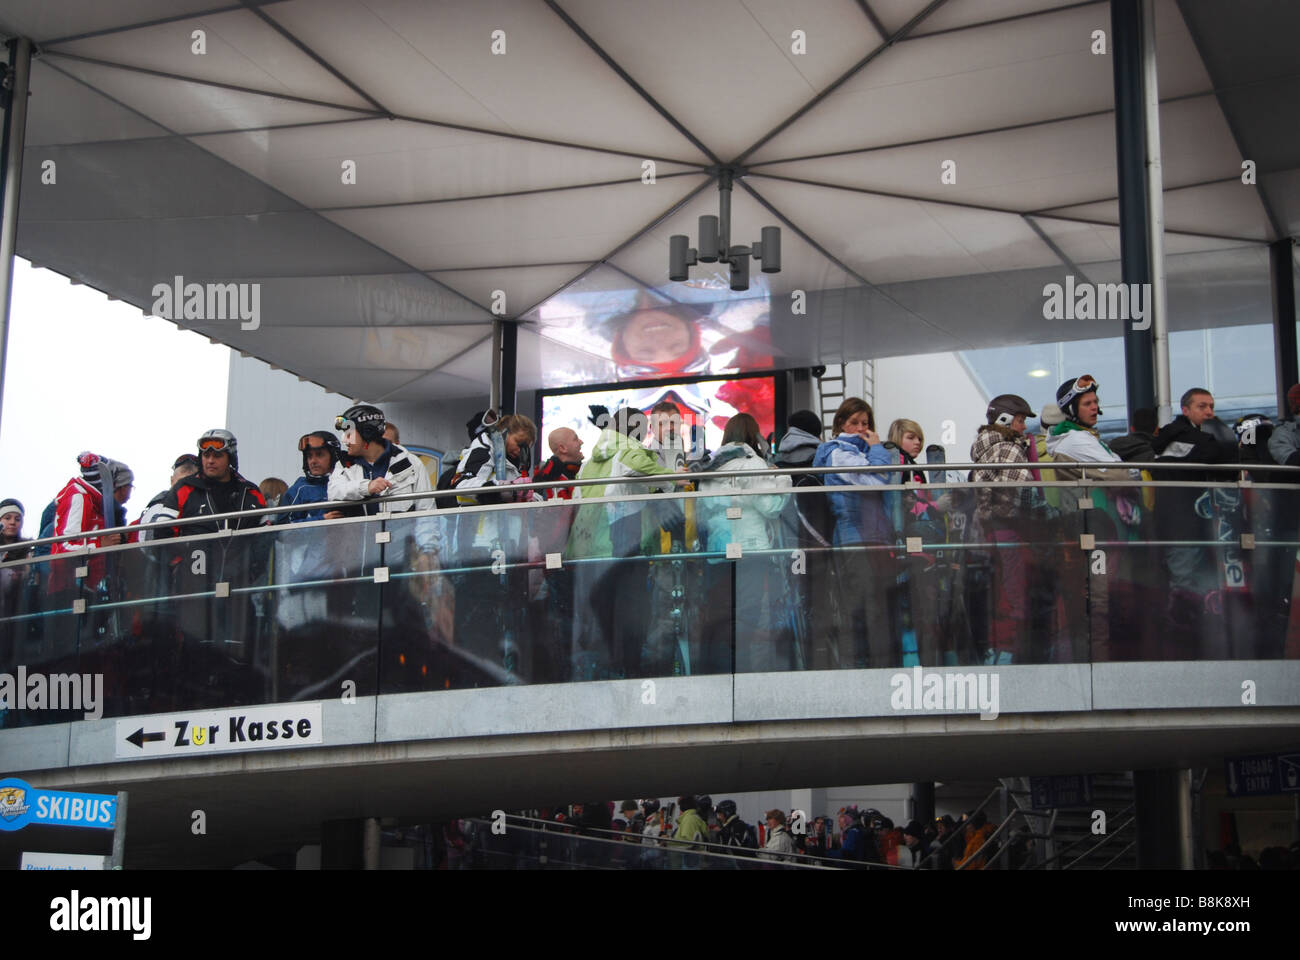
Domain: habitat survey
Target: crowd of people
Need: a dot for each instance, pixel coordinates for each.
(770, 571)
(690, 832)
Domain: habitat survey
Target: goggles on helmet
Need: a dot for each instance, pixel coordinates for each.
(215, 444)
(1081, 386)
(305, 442)
(342, 423)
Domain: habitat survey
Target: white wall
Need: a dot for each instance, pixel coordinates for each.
(268, 410)
(931, 389)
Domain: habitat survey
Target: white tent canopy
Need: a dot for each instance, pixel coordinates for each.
(389, 171)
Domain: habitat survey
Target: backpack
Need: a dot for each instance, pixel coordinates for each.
(814, 520)
(446, 481)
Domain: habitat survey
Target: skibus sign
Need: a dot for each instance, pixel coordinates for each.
(21, 805)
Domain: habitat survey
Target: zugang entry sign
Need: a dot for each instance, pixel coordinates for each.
(233, 730)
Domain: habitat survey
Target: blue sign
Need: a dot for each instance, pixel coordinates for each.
(1263, 775)
(22, 804)
(1074, 790)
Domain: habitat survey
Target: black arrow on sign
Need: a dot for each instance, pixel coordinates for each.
(140, 738)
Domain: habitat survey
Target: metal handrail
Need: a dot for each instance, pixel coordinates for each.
(1061, 853)
(992, 837)
(386, 512)
(585, 834)
(1101, 843)
(620, 837)
(960, 831)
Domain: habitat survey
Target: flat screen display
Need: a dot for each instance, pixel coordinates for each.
(704, 407)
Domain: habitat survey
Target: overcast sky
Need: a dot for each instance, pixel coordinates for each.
(87, 373)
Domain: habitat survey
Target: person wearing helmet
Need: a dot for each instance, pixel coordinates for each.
(857, 843)
(1116, 511)
(320, 453)
(186, 465)
(735, 832)
(1001, 516)
(217, 489)
(374, 467)
(1076, 437)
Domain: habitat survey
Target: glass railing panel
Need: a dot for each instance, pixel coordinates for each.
(930, 576)
(272, 614)
(40, 634)
(693, 582)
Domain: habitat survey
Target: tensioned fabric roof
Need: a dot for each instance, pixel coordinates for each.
(498, 154)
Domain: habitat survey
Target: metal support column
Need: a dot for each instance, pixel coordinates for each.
(1131, 176)
(117, 858)
(923, 802)
(372, 840)
(509, 359)
(1158, 804)
(494, 392)
(1282, 273)
(1158, 303)
(11, 175)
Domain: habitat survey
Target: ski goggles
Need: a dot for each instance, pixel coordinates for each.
(305, 442)
(342, 424)
(185, 459)
(1081, 386)
(213, 445)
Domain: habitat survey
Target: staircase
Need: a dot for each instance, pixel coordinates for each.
(1064, 835)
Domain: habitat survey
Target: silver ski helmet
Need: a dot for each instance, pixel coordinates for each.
(220, 440)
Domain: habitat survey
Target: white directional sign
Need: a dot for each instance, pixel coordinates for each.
(232, 730)
(61, 861)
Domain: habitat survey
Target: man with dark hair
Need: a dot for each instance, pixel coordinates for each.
(186, 465)
(1185, 439)
(1138, 444)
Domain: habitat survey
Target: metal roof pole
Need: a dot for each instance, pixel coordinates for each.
(1131, 176)
(494, 395)
(1282, 267)
(11, 175)
(509, 362)
(1157, 303)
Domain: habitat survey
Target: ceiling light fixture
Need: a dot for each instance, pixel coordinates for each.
(1040, 372)
(715, 241)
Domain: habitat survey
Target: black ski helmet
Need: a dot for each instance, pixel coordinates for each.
(726, 809)
(1068, 394)
(322, 438)
(1253, 432)
(369, 422)
(1004, 408)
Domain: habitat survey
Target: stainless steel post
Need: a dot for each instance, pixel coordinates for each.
(20, 67)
